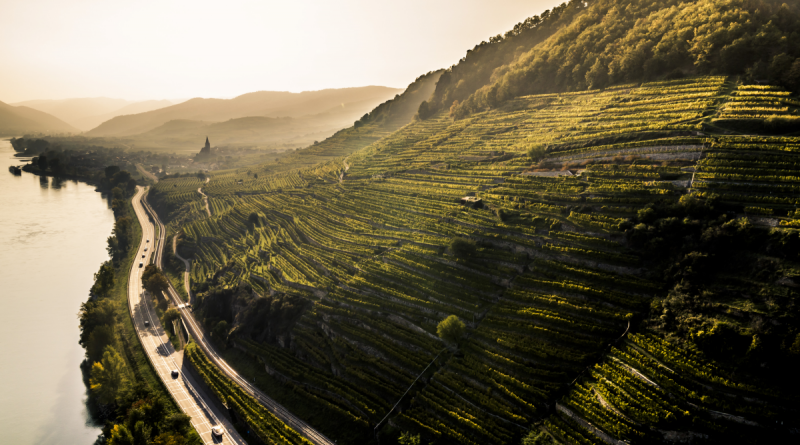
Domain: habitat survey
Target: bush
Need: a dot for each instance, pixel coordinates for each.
(462, 247)
(451, 329)
(537, 152)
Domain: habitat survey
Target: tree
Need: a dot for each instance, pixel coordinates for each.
(94, 314)
(454, 108)
(451, 329)
(407, 439)
(120, 436)
(42, 162)
(253, 218)
(142, 433)
(156, 284)
(122, 232)
(38, 145)
(54, 165)
(425, 110)
(103, 280)
(537, 152)
(221, 330)
(462, 247)
(18, 144)
(169, 438)
(110, 171)
(99, 339)
(169, 315)
(107, 376)
(120, 178)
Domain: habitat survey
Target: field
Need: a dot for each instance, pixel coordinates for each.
(552, 294)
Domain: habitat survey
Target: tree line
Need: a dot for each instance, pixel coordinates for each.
(599, 43)
(133, 412)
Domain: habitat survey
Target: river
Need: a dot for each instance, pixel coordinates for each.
(52, 241)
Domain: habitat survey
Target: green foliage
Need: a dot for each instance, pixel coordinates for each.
(94, 314)
(648, 41)
(463, 247)
(406, 438)
(169, 315)
(108, 376)
(262, 422)
(154, 281)
(536, 437)
(221, 330)
(451, 329)
(120, 436)
(537, 152)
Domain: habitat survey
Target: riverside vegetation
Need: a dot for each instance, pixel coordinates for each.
(125, 392)
(625, 269)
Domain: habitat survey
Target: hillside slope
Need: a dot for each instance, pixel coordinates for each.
(624, 260)
(262, 103)
(21, 120)
(560, 266)
(593, 44)
(379, 123)
(91, 121)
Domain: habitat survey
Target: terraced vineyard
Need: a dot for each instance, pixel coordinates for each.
(552, 294)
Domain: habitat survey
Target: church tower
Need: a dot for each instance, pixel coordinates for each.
(208, 146)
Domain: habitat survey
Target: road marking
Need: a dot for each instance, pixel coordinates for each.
(279, 411)
(180, 387)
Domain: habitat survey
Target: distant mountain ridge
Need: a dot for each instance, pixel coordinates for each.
(15, 121)
(272, 104)
(89, 112)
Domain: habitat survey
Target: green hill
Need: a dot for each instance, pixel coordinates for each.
(606, 42)
(624, 260)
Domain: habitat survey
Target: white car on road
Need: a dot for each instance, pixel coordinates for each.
(217, 430)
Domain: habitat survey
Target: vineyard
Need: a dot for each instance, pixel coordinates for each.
(548, 294)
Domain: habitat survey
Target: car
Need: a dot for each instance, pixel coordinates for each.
(148, 240)
(145, 249)
(217, 430)
(175, 373)
(147, 323)
(141, 264)
(142, 255)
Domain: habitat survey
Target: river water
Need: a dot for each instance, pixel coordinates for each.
(52, 241)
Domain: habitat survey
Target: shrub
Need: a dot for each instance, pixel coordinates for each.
(451, 329)
(462, 247)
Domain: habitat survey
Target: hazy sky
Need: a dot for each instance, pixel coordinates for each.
(169, 49)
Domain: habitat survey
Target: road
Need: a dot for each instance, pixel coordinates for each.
(190, 397)
(199, 336)
(144, 172)
(205, 199)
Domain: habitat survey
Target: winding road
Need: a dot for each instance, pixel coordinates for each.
(199, 336)
(189, 396)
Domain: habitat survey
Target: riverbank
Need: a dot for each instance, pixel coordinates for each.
(133, 392)
(48, 254)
